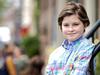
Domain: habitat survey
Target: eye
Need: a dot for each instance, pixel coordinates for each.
(66, 25)
(75, 24)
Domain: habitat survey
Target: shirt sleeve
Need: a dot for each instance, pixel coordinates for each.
(48, 71)
(82, 63)
(53, 58)
(48, 68)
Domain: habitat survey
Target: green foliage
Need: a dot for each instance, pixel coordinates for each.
(3, 6)
(36, 14)
(98, 64)
(31, 45)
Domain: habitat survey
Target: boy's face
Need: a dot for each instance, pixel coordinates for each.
(72, 27)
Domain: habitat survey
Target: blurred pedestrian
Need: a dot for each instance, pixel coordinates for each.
(37, 64)
(9, 58)
(21, 61)
(3, 68)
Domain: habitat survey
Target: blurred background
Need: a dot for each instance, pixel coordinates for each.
(32, 25)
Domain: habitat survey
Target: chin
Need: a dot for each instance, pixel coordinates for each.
(71, 40)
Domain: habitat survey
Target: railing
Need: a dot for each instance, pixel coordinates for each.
(93, 30)
(95, 52)
(97, 46)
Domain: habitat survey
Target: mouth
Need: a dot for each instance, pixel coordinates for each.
(71, 33)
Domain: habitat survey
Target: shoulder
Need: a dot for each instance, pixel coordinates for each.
(9, 58)
(86, 43)
(56, 53)
(86, 46)
(60, 49)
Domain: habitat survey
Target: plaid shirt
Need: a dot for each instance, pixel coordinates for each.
(70, 58)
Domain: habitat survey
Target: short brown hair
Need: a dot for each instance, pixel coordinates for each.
(71, 8)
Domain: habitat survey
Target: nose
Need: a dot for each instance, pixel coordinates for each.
(70, 28)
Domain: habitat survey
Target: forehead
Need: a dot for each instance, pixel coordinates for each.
(71, 18)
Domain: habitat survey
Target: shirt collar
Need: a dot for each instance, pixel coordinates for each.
(66, 44)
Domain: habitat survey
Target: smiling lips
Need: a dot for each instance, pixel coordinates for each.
(69, 33)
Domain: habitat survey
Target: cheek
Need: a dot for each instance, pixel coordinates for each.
(64, 31)
(82, 30)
